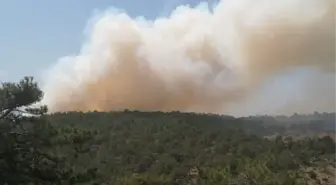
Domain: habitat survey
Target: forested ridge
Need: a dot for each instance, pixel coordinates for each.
(154, 148)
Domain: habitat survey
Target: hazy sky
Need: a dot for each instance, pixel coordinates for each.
(35, 33)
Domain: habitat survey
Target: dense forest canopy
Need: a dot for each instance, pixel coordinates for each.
(154, 148)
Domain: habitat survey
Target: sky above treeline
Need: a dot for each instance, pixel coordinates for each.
(34, 34)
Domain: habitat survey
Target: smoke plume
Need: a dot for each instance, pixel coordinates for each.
(197, 59)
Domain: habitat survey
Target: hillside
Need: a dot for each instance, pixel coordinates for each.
(134, 147)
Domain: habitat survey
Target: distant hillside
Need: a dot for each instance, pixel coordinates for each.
(134, 147)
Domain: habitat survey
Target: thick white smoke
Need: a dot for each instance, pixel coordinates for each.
(197, 60)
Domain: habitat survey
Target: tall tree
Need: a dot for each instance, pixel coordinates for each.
(16, 99)
(27, 141)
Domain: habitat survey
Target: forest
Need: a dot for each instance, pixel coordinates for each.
(131, 147)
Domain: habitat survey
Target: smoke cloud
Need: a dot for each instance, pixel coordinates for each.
(199, 59)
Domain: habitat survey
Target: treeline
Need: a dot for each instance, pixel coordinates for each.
(150, 148)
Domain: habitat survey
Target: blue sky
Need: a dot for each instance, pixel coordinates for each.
(35, 33)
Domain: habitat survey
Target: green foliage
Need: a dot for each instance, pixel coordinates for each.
(29, 144)
(144, 180)
(15, 99)
(149, 148)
